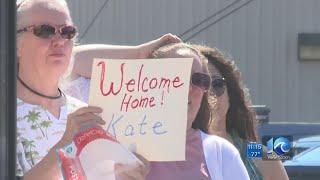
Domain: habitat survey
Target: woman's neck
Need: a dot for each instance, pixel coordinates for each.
(218, 125)
(191, 131)
(43, 83)
(46, 85)
(192, 136)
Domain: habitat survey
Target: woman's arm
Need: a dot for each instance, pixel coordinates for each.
(84, 54)
(271, 169)
(47, 168)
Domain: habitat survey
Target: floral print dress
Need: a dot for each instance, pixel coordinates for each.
(38, 131)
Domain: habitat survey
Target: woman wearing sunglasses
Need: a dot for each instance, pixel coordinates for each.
(231, 117)
(46, 117)
(207, 156)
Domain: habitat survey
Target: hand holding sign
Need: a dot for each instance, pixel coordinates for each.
(85, 116)
(144, 102)
(137, 173)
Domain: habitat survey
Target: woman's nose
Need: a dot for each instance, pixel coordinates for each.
(57, 40)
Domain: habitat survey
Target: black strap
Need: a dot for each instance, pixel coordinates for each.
(40, 94)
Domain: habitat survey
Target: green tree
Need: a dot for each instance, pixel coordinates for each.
(29, 149)
(45, 124)
(33, 118)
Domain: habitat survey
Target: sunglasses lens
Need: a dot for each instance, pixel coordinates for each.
(44, 31)
(68, 32)
(201, 80)
(218, 86)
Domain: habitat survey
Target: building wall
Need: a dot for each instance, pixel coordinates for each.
(261, 37)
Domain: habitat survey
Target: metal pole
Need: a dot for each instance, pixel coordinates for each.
(7, 89)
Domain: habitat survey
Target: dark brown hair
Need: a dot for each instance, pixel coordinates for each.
(239, 119)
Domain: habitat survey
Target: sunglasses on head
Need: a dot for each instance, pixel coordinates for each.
(218, 85)
(201, 80)
(46, 31)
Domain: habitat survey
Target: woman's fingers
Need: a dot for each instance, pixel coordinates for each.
(129, 172)
(138, 171)
(146, 49)
(85, 120)
(81, 118)
(83, 110)
(145, 166)
(88, 117)
(168, 39)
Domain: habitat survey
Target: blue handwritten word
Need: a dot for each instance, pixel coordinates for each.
(131, 129)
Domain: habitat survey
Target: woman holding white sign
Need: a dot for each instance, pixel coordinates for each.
(207, 156)
(45, 122)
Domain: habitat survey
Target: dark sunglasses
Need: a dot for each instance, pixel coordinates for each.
(46, 31)
(201, 80)
(218, 85)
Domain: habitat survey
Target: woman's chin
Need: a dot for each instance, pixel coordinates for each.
(57, 62)
(58, 71)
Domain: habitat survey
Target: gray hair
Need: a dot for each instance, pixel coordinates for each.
(24, 6)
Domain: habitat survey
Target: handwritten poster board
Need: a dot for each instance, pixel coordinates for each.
(144, 104)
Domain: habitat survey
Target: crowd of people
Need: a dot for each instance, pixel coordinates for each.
(219, 120)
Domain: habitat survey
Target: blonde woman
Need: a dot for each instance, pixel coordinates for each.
(47, 118)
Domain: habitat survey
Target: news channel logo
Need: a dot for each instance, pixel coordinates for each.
(276, 148)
